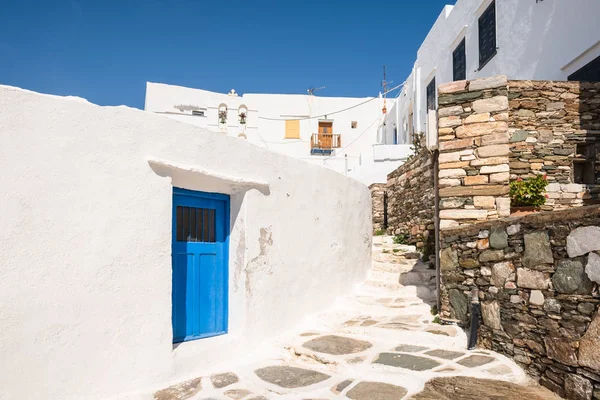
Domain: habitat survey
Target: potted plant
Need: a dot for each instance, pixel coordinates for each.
(243, 118)
(526, 196)
(223, 116)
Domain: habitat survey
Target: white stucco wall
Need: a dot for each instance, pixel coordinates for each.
(266, 123)
(547, 40)
(85, 242)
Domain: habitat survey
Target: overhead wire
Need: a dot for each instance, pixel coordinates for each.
(333, 112)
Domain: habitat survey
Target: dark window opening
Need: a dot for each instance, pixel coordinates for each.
(487, 35)
(589, 73)
(459, 62)
(354, 124)
(195, 224)
(431, 95)
(198, 113)
(584, 164)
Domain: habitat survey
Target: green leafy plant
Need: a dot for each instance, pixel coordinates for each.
(379, 232)
(434, 309)
(397, 250)
(385, 251)
(401, 238)
(437, 320)
(417, 144)
(528, 192)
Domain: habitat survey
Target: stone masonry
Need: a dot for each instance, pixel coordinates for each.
(411, 200)
(377, 202)
(474, 151)
(547, 120)
(537, 279)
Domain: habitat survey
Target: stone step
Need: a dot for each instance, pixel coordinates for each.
(384, 276)
(390, 286)
(390, 267)
(388, 257)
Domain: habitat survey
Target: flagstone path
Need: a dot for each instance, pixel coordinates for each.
(382, 344)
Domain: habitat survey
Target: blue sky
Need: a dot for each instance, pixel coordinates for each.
(105, 51)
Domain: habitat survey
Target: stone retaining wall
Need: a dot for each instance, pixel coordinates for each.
(377, 203)
(547, 120)
(474, 151)
(411, 199)
(537, 278)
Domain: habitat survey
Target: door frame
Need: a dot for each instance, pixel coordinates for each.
(177, 191)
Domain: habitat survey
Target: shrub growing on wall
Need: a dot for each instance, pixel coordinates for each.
(528, 192)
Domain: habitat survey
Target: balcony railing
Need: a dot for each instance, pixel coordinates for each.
(324, 143)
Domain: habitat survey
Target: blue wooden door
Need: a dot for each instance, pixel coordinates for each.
(199, 257)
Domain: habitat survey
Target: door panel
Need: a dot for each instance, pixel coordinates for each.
(199, 254)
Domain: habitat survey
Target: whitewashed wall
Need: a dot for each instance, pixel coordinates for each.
(266, 124)
(545, 40)
(85, 244)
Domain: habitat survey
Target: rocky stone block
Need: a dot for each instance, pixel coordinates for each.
(493, 150)
(589, 346)
(519, 136)
(583, 240)
(463, 214)
(494, 104)
(456, 202)
(498, 238)
(529, 279)
(449, 111)
(501, 272)
(536, 298)
(502, 177)
(476, 180)
(492, 169)
(537, 249)
(452, 87)
(490, 311)
(448, 259)
(449, 157)
(570, 278)
(455, 144)
(513, 229)
(376, 391)
(477, 118)
(578, 388)
(452, 173)
(495, 138)
(481, 129)
(488, 202)
(491, 255)
(498, 81)
(483, 190)
(561, 350)
(457, 98)
(459, 304)
(592, 269)
(489, 161)
(552, 306)
(468, 263)
(449, 122)
(503, 206)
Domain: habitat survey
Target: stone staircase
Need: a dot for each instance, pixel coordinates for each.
(396, 267)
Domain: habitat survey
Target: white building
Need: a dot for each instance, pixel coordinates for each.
(522, 39)
(95, 200)
(340, 133)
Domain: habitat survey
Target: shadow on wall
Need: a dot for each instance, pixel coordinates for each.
(586, 164)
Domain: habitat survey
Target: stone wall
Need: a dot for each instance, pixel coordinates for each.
(537, 278)
(377, 204)
(473, 144)
(546, 122)
(411, 198)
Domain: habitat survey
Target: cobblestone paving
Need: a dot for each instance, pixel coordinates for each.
(380, 344)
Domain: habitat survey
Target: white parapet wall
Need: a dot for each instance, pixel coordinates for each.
(85, 244)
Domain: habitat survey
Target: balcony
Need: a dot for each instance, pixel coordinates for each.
(324, 143)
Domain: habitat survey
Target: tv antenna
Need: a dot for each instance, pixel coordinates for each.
(312, 91)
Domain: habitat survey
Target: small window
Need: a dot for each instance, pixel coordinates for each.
(487, 35)
(195, 224)
(584, 164)
(459, 62)
(354, 124)
(431, 95)
(198, 113)
(292, 129)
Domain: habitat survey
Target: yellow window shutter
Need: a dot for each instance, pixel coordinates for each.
(292, 129)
